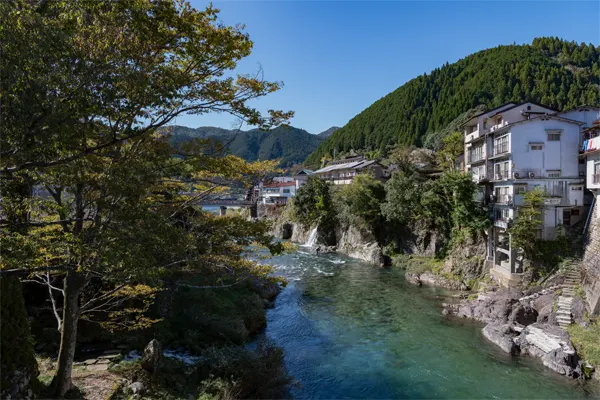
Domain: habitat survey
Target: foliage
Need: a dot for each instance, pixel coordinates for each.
(89, 188)
(445, 205)
(525, 228)
(288, 144)
(358, 204)
(313, 203)
(452, 147)
(587, 341)
(550, 71)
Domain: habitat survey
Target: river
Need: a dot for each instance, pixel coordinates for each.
(352, 330)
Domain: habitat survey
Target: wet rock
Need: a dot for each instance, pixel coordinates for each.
(152, 356)
(431, 279)
(356, 243)
(502, 335)
(552, 345)
(491, 308)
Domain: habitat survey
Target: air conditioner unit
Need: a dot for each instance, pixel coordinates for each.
(531, 174)
(517, 175)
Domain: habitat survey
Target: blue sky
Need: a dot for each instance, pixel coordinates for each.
(336, 58)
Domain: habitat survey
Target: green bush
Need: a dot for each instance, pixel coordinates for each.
(359, 203)
(587, 342)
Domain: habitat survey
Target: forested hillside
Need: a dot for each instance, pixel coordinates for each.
(550, 71)
(291, 145)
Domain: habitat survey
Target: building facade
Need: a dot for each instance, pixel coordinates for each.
(516, 148)
(342, 172)
(277, 193)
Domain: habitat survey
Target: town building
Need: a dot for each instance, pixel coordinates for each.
(590, 155)
(342, 172)
(516, 148)
(301, 177)
(277, 193)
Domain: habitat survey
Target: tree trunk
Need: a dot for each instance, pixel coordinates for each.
(74, 282)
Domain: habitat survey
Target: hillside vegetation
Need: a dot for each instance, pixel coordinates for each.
(550, 71)
(291, 145)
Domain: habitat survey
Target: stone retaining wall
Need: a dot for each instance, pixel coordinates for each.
(591, 262)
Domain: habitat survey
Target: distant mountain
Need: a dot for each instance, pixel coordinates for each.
(328, 132)
(290, 144)
(550, 71)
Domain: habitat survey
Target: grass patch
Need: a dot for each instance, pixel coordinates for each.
(587, 342)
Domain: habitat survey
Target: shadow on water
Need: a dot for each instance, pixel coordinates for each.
(351, 330)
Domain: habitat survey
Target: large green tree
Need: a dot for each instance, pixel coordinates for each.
(89, 190)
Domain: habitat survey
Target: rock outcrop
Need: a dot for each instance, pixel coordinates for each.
(516, 326)
(431, 279)
(152, 356)
(358, 244)
(552, 345)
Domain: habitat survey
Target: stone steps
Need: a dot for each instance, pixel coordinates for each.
(565, 300)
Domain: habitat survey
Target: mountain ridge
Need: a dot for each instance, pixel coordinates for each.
(550, 71)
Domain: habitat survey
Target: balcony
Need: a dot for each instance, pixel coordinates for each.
(527, 173)
(590, 145)
(596, 179)
(476, 157)
(504, 199)
(500, 175)
(496, 127)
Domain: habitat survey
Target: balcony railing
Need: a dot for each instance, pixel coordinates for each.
(499, 175)
(473, 158)
(596, 179)
(527, 173)
(503, 198)
(591, 144)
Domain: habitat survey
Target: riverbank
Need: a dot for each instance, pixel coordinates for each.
(350, 330)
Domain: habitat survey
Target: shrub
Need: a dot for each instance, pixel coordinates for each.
(587, 342)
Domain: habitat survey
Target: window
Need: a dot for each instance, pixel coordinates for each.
(501, 170)
(554, 137)
(485, 123)
(575, 211)
(286, 190)
(578, 188)
(536, 146)
(553, 173)
(501, 145)
(520, 189)
(498, 120)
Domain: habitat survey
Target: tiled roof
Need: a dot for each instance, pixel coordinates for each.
(350, 165)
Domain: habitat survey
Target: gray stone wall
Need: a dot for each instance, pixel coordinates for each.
(591, 262)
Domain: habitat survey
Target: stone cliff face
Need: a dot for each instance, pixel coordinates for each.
(591, 262)
(348, 240)
(358, 244)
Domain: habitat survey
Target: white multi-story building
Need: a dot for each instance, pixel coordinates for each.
(516, 148)
(277, 192)
(590, 155)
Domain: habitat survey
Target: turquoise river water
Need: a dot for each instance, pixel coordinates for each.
(352, 330)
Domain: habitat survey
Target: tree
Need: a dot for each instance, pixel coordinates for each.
(452, 147)
(85, 85)
(359, 203)
(525, 228)
(313, 204)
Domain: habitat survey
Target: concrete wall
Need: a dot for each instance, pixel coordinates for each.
(588, 116)
(591, 263)
(560, 155)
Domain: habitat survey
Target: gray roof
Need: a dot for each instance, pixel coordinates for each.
(350, 165)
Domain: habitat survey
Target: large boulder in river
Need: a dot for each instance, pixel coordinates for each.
(152, 356)
(496, 307)
(502, 335)
(552, 345)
